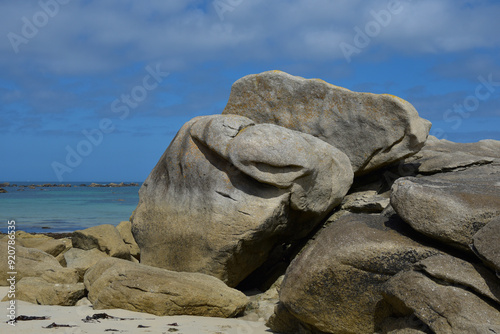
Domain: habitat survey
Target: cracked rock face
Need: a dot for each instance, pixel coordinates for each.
(487, 246)
(443, 307)
(373, 130)
(339, 276)
(227, 192)
(449, 208)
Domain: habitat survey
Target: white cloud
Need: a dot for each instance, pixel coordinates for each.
(94, 36)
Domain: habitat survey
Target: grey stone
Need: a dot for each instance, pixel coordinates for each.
(449, 211)
(487, 244)
(261, 306)
(444, 308)
(38, 291)
(61, 276)
(227, 192)
(440, 156)
(81, 260)
(106, 238)
(42, 242)
(334, 285)
(116, 283)
(28, 262)
(125, 230)
(461, 273)
(373, 130)
(365, 202)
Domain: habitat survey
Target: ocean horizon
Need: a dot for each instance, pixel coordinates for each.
(65, 209)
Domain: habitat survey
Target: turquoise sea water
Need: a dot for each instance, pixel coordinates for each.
(57, 209)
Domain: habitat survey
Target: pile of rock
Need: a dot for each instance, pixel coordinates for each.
(376, 227)
(398, 237)
(99, 266)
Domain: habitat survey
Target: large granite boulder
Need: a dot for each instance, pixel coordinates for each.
(226, 192)
(335, 284)
(452, 207)
(486, 244)
(373, 130)
(116, 283)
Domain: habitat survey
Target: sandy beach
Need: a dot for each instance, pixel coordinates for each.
(134, 322)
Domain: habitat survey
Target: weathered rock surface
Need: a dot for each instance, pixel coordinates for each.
(38, 291)
(487, 244)
(373, 130)
(261, 306)
(447, 208)
(29, 262)
(125, 230)
(365, 202)
(42, 242)
(226, 192)
(105, 238)
(443, 156)
(81, 260)
(61, 276)
(438, 156)
(115, 283)
(455, 271)
(444, 308)
(334, 285)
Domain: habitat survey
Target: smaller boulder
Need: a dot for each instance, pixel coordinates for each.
(105, 238)
(29, 262)
(365, 202)
(462, 273)
(81, 260)
(115, 283)
(486, 244)
(451, 211)
(42, 242)
(443, 307)
(38, 291)
(125, 230)
(61, 276)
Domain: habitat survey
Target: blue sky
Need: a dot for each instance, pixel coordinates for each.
(96, 90)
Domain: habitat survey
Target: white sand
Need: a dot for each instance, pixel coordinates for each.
(73, 315)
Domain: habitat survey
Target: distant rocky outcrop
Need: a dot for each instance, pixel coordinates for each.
(373, 130)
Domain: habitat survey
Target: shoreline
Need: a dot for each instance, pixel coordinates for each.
(31, 185)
